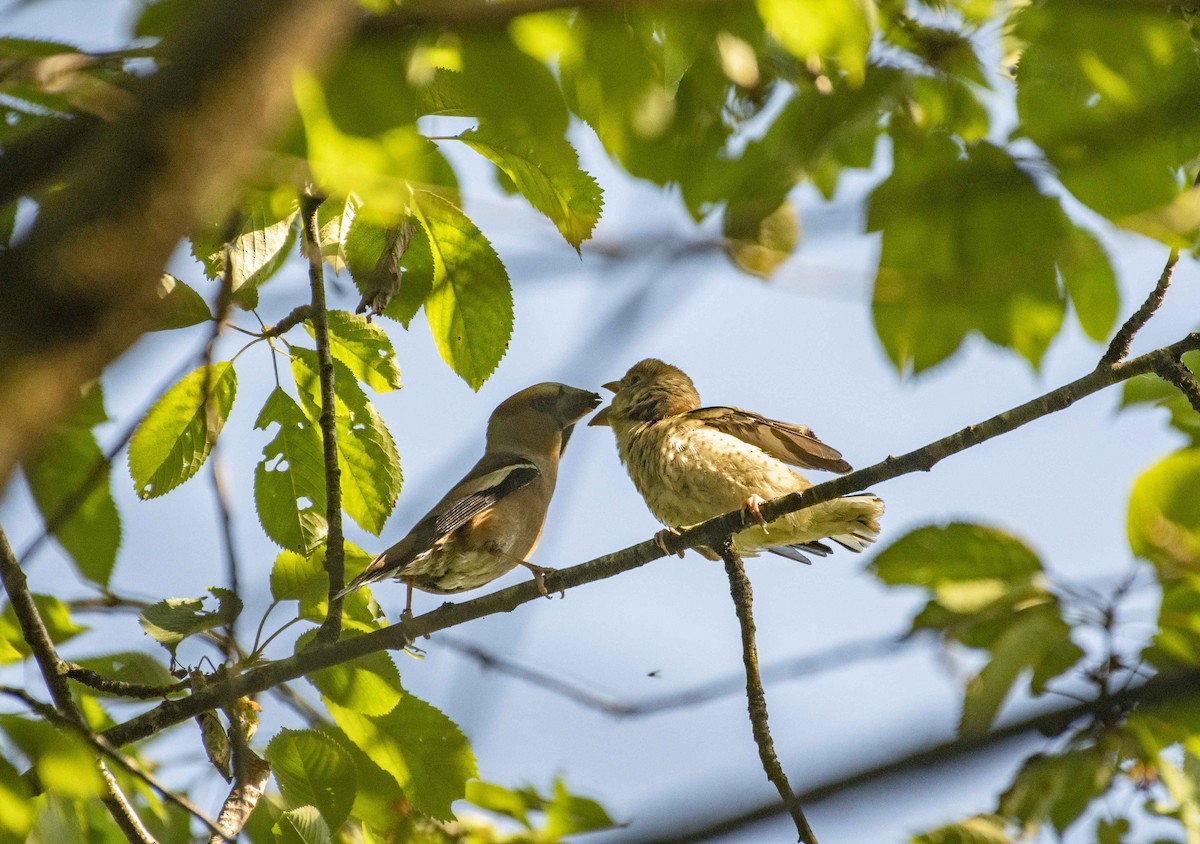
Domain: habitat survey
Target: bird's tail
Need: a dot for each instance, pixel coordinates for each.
(861, 513)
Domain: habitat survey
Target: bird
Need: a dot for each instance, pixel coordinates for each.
(491, 520)
(691, 463)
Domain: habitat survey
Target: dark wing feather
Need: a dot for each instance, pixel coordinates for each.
(797, 552)
(446, 517)
(794, 444)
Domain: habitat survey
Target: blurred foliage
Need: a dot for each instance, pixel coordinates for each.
(988, 178)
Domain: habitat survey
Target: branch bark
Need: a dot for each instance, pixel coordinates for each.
(335, 548)
(1121, 341)
(756, 699)
(709, 534)
(91, 262)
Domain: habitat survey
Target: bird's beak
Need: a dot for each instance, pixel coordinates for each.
(576, 404)
(612, 386)
(601, 418)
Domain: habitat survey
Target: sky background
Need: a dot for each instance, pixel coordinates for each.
(800, 348)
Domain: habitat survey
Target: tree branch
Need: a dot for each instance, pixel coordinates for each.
(335, 548)
(93, 259)
(101, 746)
(54, 674)
(709, 533)
(248, 788)
(1176, 372)
(756, 699)
(1046, 722)
(1119, 347)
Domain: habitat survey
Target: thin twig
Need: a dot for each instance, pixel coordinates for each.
(1119, 347)
(120, 688)
(1176, 372)
(707, 534)
(35, 634)
(335, 552)
(298, 315)
(756, 699)
(101, 746)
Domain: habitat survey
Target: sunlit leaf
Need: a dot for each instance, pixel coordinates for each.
(1058, 788)
(173, 441)
(182, 306)
(289, 482)
(260, 244)
(302, 826)
(334, 218)
(366, 453)
(982, 829)
(16, 804)
(56, 616)
(816, 29)
(933, 555)
(391, 266)
(1164, 514)
(421, 748)
(65, 763)
(367, 686)
(470, 308)
(364, 348)
(312, 770)
(571, 814)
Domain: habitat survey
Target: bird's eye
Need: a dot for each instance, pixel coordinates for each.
(633, 380)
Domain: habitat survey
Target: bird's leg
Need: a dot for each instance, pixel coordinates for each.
(407, 615)
(539, 573)
(660, 539)
(750, 507)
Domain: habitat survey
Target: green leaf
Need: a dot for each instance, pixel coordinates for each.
(935, 555)
(260, 245)
(470, 307)
(182, 306)
(173, 441)
(311, 769)
(981, 829)
(1092, 284)
(758, 239)
(504, 801)
(70, 474)
(814, 29)
(172, 620)
(289, 482)
(368, 685)
(547, 173)
(364, 348)
(421, 748)
(1176, 642)
(304, 579)
(391, 266)
(16, 804)
(302, 826)
(983, 255)
(1108, 93)
(1058, 788)
(334, 219)
(570, 814)
(64, 762)
(56, 616)
(1037, 640)
(366, 453)
(1153, 390)
(1164, 514)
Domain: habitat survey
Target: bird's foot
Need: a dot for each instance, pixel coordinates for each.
(660, 539)
(750, 507)
(539, 579)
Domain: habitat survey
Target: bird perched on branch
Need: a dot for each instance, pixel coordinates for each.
(691, 463)
(491, 520)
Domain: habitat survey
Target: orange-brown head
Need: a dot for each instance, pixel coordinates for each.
(539, 418)
(651, 390)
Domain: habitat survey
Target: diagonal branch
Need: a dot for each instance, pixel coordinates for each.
(1176, 372)
(335, 548)
(54, 673)
(756, 699)
(708, 533)
(1119, 347)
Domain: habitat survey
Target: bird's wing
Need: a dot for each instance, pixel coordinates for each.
(472, 496)
(794, 444)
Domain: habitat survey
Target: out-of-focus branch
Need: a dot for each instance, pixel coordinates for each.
(297, 315)
(756, 699)
(92, 260)
(708, 534)
(54, 671)
(335, 549)
(838, 656)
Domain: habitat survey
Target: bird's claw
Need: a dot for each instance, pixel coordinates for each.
(750, 508)
(539, 579)
(660, 539)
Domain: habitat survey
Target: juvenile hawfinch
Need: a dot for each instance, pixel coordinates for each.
(491, 520)
(692, 463)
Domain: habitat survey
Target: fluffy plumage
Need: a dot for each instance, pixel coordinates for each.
(691, 463)
(491, 520)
